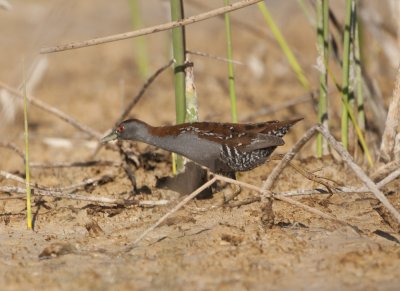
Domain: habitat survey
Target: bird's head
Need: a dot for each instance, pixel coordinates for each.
(128, 129)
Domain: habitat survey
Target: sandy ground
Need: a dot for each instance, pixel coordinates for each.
(81, 245)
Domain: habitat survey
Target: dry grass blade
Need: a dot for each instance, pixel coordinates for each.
(153, 29)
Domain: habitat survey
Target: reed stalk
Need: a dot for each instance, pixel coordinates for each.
(284, 46)
(353, 119)
(359, 77)
(346, 74)
(27, 174)
(231, 75)
(323, 51)
(179, 51)
(142, 58)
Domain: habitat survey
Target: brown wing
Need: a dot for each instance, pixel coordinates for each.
(217, 132)
(261, 141)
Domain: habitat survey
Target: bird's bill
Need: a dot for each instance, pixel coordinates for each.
(110, 137)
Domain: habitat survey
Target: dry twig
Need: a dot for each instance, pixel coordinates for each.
(385, 170)
(172, 211)
(93, 163)
(283, 198)
(153, 29)
(70, 188)
(65, 192)
(146, 85)
(221, 59)
(267, 185)
(14, 148)
(87, 198)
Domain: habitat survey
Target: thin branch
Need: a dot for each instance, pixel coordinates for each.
(9, 176)
(267, 185)
(319, 191)
(146, 85)
(14, 148)
(172, 211)
(359, 172)
(135, 100)
(221, 59)
(283, 198)
(70, 188)
(389, 178)
(385, 170)
(50, 109)
(63, 195)
(150, 30)
(94, 163)
(89, 198)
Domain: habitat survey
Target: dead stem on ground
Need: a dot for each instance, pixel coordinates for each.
(268, 184)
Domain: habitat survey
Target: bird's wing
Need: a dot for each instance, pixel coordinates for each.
(255, 141)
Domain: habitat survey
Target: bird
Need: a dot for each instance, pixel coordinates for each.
(223, 148)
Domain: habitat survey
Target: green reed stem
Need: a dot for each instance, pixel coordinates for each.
(142, 58)
(179, 50)
(359, 77)
(284, 46)
(27, 174)
(323, 51)
(353, 119)
(346, 74)
(231, 75)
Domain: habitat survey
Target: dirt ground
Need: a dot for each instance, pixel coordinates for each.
(78, 245)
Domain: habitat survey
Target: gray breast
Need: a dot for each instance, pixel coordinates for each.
(201, 151)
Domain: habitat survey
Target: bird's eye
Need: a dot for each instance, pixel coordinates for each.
(120, 128)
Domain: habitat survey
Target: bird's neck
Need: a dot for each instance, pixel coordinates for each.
(148, 135)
